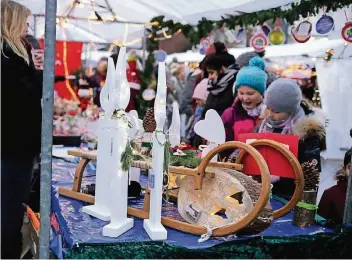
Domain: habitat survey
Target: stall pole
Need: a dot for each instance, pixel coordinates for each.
(347, 218)
(47, 127)
(35, 19)
(144, 46)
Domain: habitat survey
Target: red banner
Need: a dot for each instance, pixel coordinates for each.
(68, 57)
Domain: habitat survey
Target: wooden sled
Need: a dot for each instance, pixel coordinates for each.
(203, 171)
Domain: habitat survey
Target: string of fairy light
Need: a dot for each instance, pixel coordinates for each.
(64, 19)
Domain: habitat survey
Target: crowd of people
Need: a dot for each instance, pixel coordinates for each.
(246, 96)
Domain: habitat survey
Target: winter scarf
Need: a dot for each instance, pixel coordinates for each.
(269, 125)
(218, 85)
(255, 112)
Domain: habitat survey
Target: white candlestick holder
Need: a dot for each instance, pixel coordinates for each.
(153, 226)
(106, 133)
(117, 189)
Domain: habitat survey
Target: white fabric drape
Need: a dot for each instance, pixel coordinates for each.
(335, 84)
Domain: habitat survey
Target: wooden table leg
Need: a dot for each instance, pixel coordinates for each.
(77, 182)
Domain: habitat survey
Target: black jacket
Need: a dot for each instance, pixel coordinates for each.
(21, 113)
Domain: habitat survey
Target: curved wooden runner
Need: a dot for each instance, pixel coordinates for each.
(299, 181)
(264, 193)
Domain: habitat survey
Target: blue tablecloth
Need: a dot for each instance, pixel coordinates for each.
(73, 227)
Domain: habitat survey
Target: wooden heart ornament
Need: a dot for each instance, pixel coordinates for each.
(211, 128)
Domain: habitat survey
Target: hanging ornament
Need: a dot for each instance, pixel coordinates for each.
(239, 34)
(160, 55)
(347, 30)
(325, 24)
(302, 32)
(230, 37)
(266, 29)
(205, 43)
(259, 41)
(148, 94)
(202, 51)
(277, 36)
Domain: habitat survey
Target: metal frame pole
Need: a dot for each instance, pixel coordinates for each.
(347, 218)
(35, 19)
(144, 45)
(47, 127)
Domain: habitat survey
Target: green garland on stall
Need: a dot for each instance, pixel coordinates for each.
(303, 9)
(190, 160)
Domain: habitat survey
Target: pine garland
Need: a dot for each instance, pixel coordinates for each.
(190, 160)
(167, 156)
(127, 157)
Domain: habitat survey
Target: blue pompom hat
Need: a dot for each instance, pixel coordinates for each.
(253, 75)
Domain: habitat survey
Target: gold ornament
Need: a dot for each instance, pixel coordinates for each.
(276, 37)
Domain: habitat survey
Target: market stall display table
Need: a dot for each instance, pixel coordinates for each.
(77, 235)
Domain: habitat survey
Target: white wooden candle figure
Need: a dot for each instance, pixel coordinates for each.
(175, 127)
(105, 160)
(153, 226)
(133, 133)
(211, 129)
(118, 187)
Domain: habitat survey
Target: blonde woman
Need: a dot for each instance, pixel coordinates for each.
(21, 87)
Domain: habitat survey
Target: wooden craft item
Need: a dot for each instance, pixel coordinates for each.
(198, 175)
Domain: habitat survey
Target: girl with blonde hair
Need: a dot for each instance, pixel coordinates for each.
(21, 87)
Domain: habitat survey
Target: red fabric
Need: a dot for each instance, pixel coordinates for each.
(277, 163)
(133, 74)
(210, 50)
(332, 203)
(132, 103)
(243, 126)
(73, 60)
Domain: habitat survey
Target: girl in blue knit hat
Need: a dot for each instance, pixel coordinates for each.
(243, 116)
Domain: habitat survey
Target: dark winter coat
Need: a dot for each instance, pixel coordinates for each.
(186, 105)
(21, 113)
(222, 100)
(332, 203)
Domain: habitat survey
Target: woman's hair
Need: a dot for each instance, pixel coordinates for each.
(221, 58)
(13, 23)
(347, 159)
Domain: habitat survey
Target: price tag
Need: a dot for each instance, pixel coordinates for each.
(151, 180)
(192, 212)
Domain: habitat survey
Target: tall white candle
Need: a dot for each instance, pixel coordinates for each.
(107, 131)
(118, 188)
(153, 226)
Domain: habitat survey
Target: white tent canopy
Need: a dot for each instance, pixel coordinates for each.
(312, 48)
(140, 11)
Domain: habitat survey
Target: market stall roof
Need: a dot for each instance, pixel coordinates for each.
(138, 11)
(312, 48)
